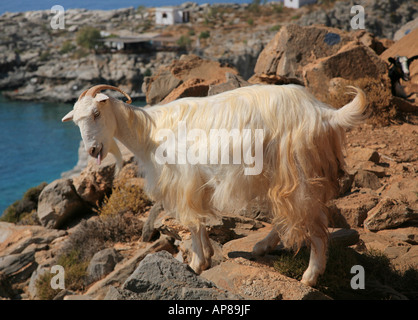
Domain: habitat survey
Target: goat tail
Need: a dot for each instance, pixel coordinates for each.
(353, 113)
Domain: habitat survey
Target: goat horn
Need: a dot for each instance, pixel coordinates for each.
(82, 94)
(94, 90)
(412, 58)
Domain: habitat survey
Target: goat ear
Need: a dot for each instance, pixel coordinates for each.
(391, 60)
(68, 116)
(100, 97)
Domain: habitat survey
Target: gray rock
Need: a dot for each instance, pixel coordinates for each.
(102, 263)
(58, 203)
(160, 276)
(40, 271)
(18, 267)
(233, 81)
(161, 86)
(124, 269)
(382, 17)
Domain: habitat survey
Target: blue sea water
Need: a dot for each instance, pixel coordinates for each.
(30, 5)
(34, 146)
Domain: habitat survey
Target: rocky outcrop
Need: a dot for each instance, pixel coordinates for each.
(21, 252)
(66, 199)
(382, 17)
(160, 276)
(59, 203)
(326, 68)
(190, 76)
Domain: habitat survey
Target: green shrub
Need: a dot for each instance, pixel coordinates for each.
(88, 38)
(75, 268)
(23, 207)
(147, 73)
(275, 28)
(184, 41)
(43, 287)
(44, 56)
(67, 47)
(204, 35)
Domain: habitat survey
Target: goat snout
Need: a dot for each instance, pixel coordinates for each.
(95, 151)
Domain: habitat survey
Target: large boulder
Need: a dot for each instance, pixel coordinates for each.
(58, 203)
(189, 76)
(351, 62)
(327, 60)
(291, 49)
(160, 276)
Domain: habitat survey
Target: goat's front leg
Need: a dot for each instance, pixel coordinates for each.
(202, 249)
(317, 261)
(267, 244)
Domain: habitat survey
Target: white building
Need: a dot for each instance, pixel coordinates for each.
(297, 3)
(171, 15)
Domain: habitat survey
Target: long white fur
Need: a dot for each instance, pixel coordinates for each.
(302, 159)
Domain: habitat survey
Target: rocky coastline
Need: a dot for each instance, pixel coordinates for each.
(110, 238)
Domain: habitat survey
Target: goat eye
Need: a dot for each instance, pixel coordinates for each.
(96, 114)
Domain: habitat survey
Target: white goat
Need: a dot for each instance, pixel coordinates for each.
(301, 158)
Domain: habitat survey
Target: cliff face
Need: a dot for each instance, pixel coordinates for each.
(40, 63)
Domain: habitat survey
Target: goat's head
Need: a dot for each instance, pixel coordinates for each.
(401, 65)
(93, 115)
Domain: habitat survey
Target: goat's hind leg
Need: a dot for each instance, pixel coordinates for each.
(208, 251)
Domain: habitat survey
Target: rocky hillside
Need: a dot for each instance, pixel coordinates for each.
(110, 238)
(40, 63)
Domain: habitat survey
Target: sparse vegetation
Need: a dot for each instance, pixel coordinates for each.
(67, 46)
(380, 275)
(88, 38)
(184, 41)
(204, 35)
(22, 209)
(125, 198)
